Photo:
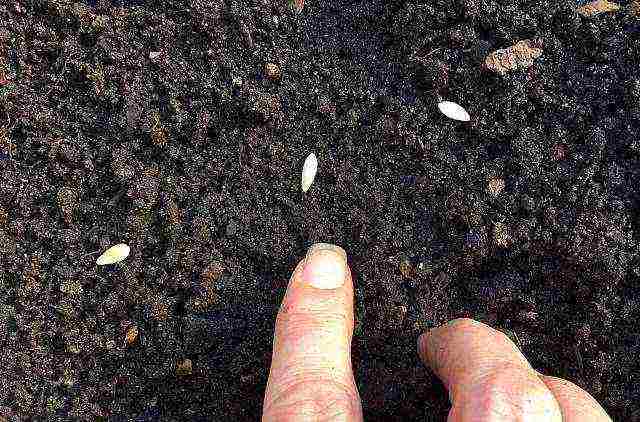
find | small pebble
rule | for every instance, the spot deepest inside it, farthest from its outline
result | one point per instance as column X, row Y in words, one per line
column 495, row 186
column 559, row 152
column 184, row 368
column 309, row 171
column 405, row 267
column 501, row 235
column 132, row 334
column 114, row 254
column 453, row 111
column 272, row 71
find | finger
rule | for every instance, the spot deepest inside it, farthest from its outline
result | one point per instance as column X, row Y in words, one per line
column 487, row 377
column 576, row 404
column 311, row 377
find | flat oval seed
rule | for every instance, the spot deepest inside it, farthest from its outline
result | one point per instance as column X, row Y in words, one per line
column 309, row 171
column 453, row 111
column 114, row 254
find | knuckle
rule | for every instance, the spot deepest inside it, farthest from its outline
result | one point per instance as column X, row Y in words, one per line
column 314, row 398
column 305, row 319
column 514, row 390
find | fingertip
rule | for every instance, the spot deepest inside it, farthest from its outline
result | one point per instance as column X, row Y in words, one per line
column 435, row 344
column 325, row 266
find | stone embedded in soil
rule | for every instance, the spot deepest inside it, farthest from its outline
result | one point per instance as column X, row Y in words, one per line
column 559, row 152
column 184, row 368
column 597, row 7
column 132, row 334
column 519, row 56
column 272, row 71
column 495, row 186
column 405, row 267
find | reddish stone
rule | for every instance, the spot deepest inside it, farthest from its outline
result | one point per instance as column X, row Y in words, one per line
column 559, row 152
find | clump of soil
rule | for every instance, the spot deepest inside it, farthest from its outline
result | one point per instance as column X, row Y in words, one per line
column 179, row 127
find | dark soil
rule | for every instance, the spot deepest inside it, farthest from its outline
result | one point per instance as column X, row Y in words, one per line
column 193, row 158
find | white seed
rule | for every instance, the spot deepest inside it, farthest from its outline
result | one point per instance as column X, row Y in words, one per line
column 154, row 54
column 453, row 111
column 309, row 171
column 114, row 254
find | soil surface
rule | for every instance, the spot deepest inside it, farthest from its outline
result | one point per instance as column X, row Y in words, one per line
column 165, row 125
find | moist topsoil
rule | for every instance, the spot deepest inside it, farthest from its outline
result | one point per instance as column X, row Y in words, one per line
column 159, row 124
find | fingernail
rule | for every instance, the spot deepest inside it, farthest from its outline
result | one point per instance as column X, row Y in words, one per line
column 325, row 266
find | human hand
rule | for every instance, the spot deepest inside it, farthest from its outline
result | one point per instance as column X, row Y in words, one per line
column 488, row 378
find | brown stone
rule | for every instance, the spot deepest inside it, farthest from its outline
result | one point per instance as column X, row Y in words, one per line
column 184, row 368
column 132, row 334
column 272, row 71
column 495, row 186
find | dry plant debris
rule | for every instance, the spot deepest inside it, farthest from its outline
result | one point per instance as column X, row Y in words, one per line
column 519, row 56
column 597, row 7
